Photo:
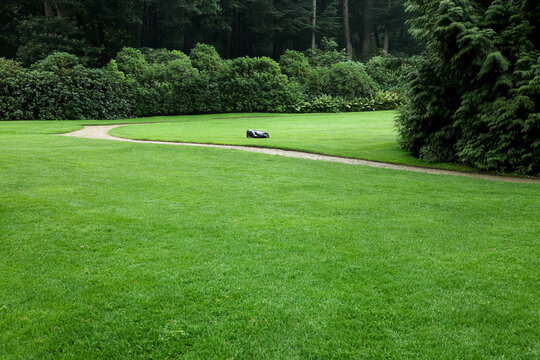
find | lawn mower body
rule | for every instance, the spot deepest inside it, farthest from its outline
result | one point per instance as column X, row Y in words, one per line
column 257, row 134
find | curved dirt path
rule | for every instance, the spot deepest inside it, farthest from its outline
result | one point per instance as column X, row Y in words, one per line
column 102, row 132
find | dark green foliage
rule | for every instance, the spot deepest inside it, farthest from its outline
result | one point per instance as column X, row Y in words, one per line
column 41, row 36
column 13, row 78
column 295, row 65
column 132, row 62
column 205, row 58
column 350, row 80
column 346, row 79
column 161, row 56
column 58, row 88
column 234, row 27
column 57, row 62
column 387, row 71
column 162, row 82
column 473, row 96
column 256, row 84
column 327, row 54
column 383, row 100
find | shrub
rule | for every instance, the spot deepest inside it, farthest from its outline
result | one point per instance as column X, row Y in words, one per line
column 183, row 78
column 57, row 88
column 161, row 82
column 386, row 70
column 295, row 65
column 349, row 79
column 327, row 54
column 205, row 58
column 161, row 56
column 317, row 81
column 326, row 103
column 131, row 62
column 346, row 79
column 256, row 84
column 13, row 80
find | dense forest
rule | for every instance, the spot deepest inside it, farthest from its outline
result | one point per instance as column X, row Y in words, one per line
column 98, row 29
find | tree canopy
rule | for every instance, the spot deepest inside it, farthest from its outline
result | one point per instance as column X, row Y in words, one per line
column 98, row 29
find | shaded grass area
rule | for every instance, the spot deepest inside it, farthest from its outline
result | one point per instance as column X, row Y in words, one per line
column 366, row 135
column 120, row 250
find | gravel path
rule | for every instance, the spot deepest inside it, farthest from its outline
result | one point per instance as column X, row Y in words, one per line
column 102, row 132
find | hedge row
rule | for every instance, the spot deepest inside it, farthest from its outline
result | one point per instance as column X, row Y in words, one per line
column 151, row 82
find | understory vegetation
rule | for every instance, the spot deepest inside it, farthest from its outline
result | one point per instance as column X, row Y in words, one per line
column 162, row 82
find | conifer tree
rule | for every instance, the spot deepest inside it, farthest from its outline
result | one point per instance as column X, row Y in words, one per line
column 474, row 93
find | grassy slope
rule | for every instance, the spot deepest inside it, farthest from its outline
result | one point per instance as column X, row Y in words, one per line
column 367, row 135
column 119, row 250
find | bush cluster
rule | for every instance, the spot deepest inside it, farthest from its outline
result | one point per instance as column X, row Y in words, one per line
column 58, row 87
column 383, row 100
column 147, row 82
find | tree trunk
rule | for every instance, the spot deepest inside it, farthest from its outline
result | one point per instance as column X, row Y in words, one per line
column 48, row 8
column 386, row 38
column 346, row 28
column 387, row 32
column 314, row 23
column 366, row 26
column 62, row 12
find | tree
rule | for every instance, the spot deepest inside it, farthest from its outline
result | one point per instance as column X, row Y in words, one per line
column 387, row 32
column 366, row 26
column 42, row 36
column 314, row 24
column 347, row 29
column 473, row 94
column 234, row 27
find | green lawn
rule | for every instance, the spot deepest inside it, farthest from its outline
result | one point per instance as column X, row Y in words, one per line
column 367, row 135
column 142, row 251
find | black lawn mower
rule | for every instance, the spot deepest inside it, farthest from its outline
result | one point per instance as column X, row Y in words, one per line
column 257, row 134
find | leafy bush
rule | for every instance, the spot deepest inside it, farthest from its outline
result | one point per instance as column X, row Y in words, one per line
column 387, row 71
column 350, row 80
column 346, row 79
column 58, row 88
column 150, row 82
column 13, row 80
column 161, row 56
column 205, row 58
column 327, row 54
column 326, row 103
column 131, row 62
column 160, row 81
column 256, row 84
column 295, row 65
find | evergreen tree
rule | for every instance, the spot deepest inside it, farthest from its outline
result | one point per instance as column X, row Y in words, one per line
column 474, row 94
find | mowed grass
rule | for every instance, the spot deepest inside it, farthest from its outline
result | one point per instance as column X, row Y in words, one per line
column 366, row 135
column 138, row 251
